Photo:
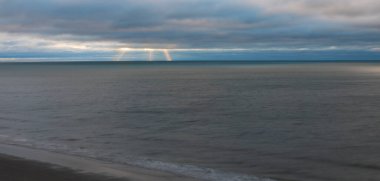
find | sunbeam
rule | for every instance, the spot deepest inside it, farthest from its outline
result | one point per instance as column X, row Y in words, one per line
column 150, row 53
column 167, row 55
column 121, row 54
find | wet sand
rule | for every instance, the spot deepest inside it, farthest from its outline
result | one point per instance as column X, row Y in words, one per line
column 26, row 164
column 17, row 169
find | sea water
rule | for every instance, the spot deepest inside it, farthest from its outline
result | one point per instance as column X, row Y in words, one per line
column 210, row 120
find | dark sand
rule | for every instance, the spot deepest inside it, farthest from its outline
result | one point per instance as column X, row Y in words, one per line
column 17, row 169
column 27, row 164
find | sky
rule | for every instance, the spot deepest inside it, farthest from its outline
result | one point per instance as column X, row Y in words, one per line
column 122, row 30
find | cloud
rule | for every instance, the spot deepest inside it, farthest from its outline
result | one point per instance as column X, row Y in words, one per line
column 98, row 25
column 12, row 43
column 353, row 12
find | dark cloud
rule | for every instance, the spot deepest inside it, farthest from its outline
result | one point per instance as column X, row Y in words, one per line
column 183, row 23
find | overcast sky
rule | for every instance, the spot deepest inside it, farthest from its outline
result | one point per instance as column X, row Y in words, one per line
column 190, row 29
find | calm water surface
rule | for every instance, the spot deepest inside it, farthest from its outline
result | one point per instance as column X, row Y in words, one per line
column 216, row 121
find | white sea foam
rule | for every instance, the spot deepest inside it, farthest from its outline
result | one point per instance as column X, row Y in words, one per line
column 197, row 172
column 181, row 169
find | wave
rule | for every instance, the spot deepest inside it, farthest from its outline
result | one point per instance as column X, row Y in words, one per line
column 180, row 169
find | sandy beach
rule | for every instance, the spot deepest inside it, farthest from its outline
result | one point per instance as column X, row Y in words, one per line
column 26, row 164
column 17, row 169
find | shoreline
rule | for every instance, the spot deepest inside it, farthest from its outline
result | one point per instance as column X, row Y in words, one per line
column 18, row 169
column 19, row 163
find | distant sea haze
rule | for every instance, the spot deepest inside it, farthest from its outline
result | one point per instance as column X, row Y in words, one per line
column 215, row 121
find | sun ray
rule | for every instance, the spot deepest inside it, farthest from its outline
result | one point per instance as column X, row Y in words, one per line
column 121, row 54
column 150, row 53
column 167, row 55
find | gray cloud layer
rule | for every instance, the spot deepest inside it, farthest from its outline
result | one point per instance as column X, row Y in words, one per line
column 198, row 23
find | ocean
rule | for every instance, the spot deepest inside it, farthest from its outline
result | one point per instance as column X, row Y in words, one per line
column 216, row 121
